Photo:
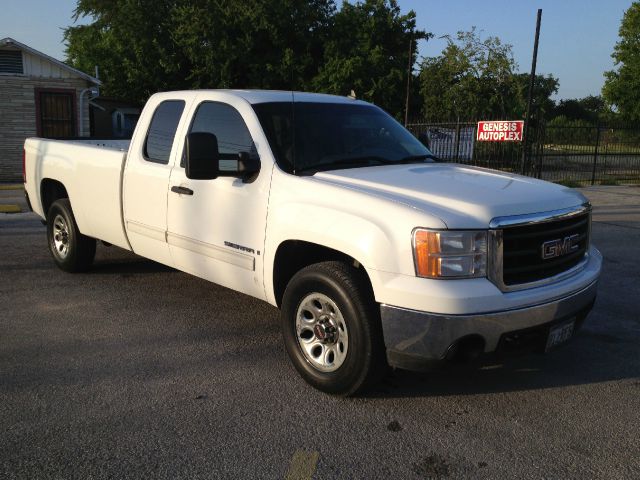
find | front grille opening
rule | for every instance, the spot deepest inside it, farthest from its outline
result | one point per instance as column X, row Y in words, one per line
column 522, row 249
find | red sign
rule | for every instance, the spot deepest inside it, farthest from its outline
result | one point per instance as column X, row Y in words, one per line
column 500, row 131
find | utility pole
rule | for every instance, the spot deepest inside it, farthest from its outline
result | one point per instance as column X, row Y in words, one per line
column 525, row 147
column 409, row 74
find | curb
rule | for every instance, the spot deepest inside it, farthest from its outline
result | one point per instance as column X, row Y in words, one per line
column 11, row 186
column 10, row 209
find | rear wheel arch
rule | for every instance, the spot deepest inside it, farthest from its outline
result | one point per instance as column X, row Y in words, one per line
column 50, row 191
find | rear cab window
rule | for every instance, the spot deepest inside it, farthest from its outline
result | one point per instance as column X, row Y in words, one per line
column 162, row 131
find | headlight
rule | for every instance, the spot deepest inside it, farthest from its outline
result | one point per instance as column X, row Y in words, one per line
column 450, row 253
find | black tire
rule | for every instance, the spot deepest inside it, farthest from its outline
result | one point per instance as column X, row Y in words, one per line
column 363, row 363
column 71, row 250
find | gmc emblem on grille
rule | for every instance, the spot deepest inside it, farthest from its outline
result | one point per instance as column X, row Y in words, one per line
column 560, row 246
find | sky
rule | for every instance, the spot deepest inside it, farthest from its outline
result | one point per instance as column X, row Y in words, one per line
column 576, row 39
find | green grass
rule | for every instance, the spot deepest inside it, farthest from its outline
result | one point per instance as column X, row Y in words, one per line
column 609, row 181
column 590, row 148
column 570, row 183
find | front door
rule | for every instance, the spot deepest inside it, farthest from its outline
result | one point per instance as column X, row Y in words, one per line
column 217, row 231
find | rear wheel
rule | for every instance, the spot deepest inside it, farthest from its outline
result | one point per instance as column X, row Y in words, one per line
column 71, row 250
column 331, row 328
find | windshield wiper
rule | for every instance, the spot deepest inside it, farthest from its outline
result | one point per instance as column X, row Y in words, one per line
column 417, row 158
column 343, row 162
column 366, row 159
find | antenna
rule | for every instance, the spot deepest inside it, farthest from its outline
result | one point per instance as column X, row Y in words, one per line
column 293, row 131
column 293, row 122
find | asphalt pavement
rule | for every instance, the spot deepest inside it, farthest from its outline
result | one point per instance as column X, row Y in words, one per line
column 135, row 370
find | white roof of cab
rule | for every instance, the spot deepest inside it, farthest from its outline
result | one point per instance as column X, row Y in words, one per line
column 266, row 96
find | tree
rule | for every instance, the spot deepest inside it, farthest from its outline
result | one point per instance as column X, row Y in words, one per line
column 253, row 43
column 622, row 86
column 368, row 52
column 145, row 46
column 476, row 78
column 131, row 43
column 471, row 78
column 544, row 87
column 589, row 108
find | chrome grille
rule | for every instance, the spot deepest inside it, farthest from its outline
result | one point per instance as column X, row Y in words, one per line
column 517, row 245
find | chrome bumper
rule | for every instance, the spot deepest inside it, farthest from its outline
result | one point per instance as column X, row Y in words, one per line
column 415, row 339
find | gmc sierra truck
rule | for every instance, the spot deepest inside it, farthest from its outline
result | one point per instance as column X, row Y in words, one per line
column 375, row 253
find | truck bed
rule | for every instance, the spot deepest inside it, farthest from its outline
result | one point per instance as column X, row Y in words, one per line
column 91, row 172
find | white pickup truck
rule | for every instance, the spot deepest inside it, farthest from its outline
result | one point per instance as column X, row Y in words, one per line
column 329, row 209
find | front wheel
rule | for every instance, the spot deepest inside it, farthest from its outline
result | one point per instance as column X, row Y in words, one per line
column 331, row 328
column 71, row 250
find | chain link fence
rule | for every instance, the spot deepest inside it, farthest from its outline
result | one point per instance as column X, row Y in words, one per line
column 571, row 155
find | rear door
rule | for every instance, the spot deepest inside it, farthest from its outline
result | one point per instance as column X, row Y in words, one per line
column 147, row 177
column 217, row 231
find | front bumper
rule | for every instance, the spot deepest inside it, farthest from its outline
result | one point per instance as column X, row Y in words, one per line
column 415, row 339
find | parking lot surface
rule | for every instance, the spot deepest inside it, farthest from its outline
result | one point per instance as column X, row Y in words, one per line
column 135, row 370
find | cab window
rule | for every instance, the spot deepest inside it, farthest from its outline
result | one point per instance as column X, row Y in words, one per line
column 226, row 123
column 162, row 131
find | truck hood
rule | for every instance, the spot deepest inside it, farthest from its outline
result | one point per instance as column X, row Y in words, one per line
column 461, row 196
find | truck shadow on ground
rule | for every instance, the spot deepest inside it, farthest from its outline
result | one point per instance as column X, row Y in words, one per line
column 135, row 266
column 591, row 358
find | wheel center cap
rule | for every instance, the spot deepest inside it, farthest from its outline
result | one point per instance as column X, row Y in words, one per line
column 325, row 331
column 320, row 332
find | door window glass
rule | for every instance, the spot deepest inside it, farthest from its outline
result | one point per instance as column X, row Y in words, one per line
column 162, row 131
column 226, row 123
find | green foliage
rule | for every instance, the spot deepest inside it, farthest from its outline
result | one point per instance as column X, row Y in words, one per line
column 622, row 86
column 476, row 78
column 145, row 46
column 590, row 108
column 544, row 86
column 131, row 42
column 368, row 51
column 471, row 78
column 564, row 131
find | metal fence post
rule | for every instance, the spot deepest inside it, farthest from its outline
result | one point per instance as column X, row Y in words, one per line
column 539, row 148
column 458, row 140
column 595, row 155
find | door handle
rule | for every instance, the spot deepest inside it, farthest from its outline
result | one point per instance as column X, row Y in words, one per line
column 181, row 190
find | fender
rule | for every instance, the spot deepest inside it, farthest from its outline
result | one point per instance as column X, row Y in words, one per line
column 343, row 219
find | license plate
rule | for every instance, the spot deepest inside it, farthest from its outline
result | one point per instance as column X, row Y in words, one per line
column 560, row 334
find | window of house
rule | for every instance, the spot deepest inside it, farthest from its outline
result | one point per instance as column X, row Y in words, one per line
column 162, row 131
column 11, row 61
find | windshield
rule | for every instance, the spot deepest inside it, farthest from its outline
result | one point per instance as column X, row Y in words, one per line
column 329, row 136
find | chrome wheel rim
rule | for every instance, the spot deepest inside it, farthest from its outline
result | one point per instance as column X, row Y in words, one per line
column 322, row 332
column 60, row 236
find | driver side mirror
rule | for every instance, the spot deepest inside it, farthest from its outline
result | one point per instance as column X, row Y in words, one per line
column 205, row 162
